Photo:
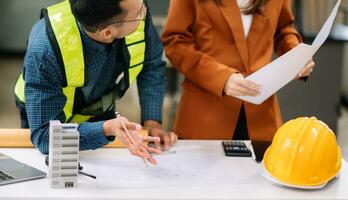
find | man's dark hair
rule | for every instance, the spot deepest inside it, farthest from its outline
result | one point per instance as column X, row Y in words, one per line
column 94, row 14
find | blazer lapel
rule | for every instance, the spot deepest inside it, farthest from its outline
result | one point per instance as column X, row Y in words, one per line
column 256, row 31
column 231, row 12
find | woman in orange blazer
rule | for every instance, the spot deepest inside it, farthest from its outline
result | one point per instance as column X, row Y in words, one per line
column 215, row 44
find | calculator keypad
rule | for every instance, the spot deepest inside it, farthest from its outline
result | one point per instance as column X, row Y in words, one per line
column 235, row 148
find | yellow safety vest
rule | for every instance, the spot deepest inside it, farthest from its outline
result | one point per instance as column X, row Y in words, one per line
column 60, row 21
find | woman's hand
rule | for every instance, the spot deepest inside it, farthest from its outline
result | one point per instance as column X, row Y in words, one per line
column 306, row 70
column 237, row 85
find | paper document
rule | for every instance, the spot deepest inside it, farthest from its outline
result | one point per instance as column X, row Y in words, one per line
column 283, row 70
column 186, row 168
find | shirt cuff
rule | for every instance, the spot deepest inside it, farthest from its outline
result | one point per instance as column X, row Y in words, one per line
column 151, row 112
column 92, row 135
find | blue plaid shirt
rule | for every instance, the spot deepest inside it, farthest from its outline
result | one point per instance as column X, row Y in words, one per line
column 43, row 89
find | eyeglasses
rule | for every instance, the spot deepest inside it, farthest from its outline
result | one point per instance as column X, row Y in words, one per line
column 141, row 16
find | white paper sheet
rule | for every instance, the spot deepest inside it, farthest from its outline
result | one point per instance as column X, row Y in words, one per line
column 184, row 169
column 283, row 70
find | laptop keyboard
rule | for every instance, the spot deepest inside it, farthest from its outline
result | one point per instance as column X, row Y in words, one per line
column 5, row 177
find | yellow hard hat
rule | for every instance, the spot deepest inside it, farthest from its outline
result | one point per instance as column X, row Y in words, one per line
column 304, row 153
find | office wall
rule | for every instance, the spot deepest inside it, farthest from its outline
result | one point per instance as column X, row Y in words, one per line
column 315, row 12
column 16, row 20
column 18, row 16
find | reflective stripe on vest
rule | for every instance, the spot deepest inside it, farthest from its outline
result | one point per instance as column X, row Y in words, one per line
column 136, row 47
column 69, row 41
column 70, row 44
column 68, row 38
column 19, row 88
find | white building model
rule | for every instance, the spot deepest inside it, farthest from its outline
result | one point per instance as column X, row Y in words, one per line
column 63, row 154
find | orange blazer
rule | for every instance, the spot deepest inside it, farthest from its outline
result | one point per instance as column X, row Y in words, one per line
column 206, row 43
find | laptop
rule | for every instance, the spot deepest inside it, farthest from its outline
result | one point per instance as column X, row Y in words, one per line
column 12, row 171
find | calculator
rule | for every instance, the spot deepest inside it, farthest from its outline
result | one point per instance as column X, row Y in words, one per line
column 236, row 149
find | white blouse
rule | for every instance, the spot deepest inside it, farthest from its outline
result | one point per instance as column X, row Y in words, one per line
column 246, row 19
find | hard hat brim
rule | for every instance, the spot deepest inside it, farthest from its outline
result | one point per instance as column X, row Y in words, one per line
column 269, row 177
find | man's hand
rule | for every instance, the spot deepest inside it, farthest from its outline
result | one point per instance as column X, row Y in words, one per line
column 114, row 127
column 155, row 130
column 237, row 85
column 306, row 70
